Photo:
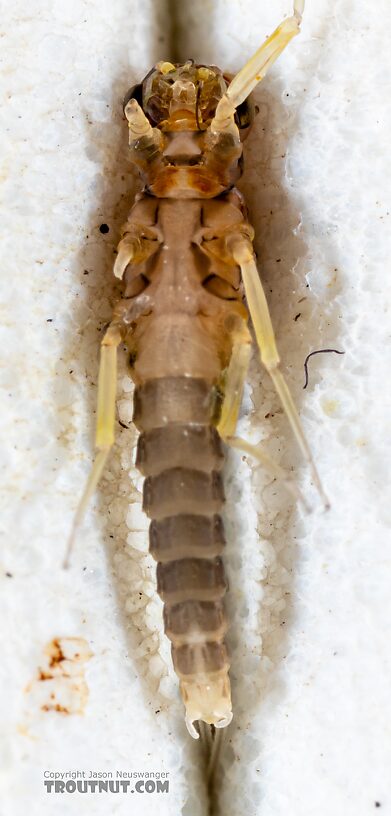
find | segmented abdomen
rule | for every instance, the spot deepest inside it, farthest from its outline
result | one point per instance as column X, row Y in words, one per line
column 180, row 453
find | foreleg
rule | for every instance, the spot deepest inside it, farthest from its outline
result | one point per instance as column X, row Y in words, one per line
column 145, row 142
column 255, row 70
column 223, row 143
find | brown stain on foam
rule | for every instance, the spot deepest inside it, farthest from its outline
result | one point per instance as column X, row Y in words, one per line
column 60, row 685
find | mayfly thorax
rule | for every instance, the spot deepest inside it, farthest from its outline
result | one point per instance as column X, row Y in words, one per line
column 187, row 263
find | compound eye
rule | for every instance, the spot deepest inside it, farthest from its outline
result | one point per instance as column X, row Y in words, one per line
column 245, row 114
column 136, row 92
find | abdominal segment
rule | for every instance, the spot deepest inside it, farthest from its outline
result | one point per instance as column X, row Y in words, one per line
column 180, row 454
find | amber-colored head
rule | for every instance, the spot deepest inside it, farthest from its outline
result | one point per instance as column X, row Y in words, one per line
column 185, row 97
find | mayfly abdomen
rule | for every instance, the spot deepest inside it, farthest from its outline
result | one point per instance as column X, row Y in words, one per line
column 180, row 454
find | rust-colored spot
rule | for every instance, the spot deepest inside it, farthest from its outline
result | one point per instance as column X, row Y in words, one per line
column 56, row 707
column 60, row 685
column 55, row 653
column 44, row 675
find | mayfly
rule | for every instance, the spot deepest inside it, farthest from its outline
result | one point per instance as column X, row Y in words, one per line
column 187, row 264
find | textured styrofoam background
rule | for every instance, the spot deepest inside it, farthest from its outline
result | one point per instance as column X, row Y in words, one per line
column 309, row 597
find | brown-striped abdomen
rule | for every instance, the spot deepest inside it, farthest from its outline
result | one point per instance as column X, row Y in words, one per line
column 179, row 452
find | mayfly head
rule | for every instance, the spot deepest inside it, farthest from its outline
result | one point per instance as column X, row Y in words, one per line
column 185, row 97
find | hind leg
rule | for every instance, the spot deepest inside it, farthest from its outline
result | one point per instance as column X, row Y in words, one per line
column 235, row 378
column 104, row 437
column 233, row 391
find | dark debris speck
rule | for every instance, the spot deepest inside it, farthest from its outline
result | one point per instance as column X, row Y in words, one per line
column 104, row 228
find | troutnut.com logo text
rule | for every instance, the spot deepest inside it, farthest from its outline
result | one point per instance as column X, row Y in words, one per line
column 106, row 782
